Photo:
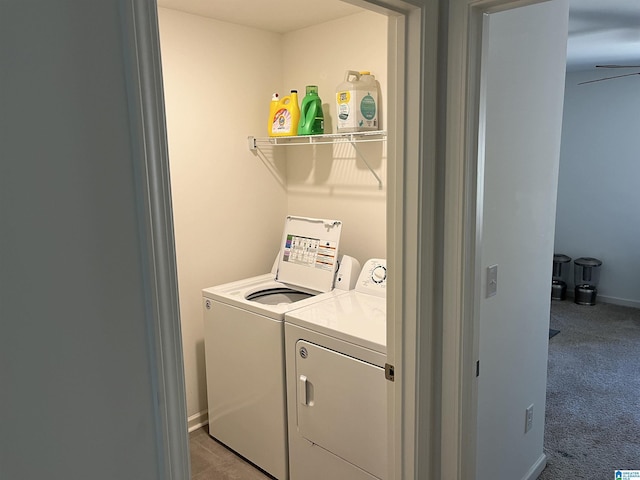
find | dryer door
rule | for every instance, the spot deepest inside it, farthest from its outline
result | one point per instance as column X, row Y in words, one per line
column 341, row 406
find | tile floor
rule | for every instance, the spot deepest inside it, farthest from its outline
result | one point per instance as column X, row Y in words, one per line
column 210, row 460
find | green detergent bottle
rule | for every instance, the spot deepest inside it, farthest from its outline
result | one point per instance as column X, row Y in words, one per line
column 311, row 116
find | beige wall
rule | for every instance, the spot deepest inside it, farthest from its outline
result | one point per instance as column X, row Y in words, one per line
column 228, row 210
column 332, row 182
column 228, row 207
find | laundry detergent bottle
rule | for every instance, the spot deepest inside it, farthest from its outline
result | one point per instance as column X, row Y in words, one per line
column 311, row 116
column 273, row 108
column 357, row 102
column 284, row 116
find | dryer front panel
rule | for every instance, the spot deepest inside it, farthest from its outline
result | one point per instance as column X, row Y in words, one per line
column 341, row 406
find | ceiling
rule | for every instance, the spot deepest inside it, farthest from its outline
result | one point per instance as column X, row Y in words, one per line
column 279, row 16
column 603, row 32
column 600, row 31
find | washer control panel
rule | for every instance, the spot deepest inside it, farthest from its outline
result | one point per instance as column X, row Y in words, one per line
column 373, row 278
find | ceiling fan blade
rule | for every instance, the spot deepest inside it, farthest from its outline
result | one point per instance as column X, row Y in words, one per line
column 617, row 66
column 609, row 78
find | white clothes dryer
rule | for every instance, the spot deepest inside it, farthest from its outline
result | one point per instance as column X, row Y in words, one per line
column 244, row 339
column 336, row 386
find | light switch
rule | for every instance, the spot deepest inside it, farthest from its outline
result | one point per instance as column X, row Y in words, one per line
column 492, row 280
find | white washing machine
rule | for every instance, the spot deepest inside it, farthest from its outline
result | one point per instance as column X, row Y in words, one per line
column 244, row 339
column 336, row 386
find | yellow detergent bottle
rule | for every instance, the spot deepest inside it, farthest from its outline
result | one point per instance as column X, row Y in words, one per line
column 273, row 108
column 284, row 116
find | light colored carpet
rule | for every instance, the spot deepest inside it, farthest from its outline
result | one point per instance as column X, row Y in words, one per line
column 593, row 392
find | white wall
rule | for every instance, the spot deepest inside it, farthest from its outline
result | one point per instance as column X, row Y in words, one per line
column 77, row 398
column 598, row 194
column 229, row 209
column 332, row 182
column 524, row 89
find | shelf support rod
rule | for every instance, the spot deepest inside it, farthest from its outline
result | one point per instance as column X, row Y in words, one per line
column 257, row 151
column 353, row 144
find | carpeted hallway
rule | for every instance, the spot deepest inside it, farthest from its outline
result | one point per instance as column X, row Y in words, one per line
column 593, row 392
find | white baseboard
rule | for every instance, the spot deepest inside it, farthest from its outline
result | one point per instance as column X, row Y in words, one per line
column 198, row 420
column 618, row 301
column 535, row 471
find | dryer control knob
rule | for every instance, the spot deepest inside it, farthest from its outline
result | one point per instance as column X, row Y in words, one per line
column 379, row 274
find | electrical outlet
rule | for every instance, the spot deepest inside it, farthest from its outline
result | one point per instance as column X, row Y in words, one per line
column 528, row 419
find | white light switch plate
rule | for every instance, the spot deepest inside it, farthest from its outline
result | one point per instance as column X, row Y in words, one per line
column 492, row 280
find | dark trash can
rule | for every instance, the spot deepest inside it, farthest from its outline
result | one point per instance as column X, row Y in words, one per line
column 586, row 272
column 561, row 264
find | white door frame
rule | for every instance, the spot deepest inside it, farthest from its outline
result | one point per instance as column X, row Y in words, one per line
column 411, row 231
column 153, row 190
column 464, row 179
column 411, row 220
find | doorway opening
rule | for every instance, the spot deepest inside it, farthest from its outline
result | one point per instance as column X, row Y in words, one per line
column 217, row 180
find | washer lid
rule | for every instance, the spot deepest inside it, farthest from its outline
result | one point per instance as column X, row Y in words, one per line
column 309, row 253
